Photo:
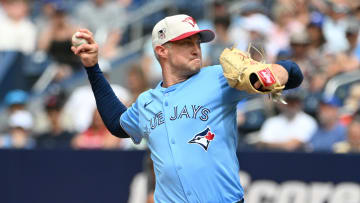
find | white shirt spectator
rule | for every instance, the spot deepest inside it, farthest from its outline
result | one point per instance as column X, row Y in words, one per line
column 334, row 32
column 81, row 105
column 17, row 36
column 101, row 19
column 281, row 129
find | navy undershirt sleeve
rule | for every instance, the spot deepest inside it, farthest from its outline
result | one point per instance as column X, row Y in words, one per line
column 295, row 75
column 108, row 105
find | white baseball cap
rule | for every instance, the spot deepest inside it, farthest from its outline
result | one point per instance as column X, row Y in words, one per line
column 178, row 27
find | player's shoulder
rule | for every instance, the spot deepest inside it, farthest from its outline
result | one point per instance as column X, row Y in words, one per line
column 147, row 96
column 144, row 95
column 213, row 68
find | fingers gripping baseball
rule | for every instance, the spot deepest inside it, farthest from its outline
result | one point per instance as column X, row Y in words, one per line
column 88, row 52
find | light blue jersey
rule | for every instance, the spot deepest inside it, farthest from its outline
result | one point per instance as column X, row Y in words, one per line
column 192, row 134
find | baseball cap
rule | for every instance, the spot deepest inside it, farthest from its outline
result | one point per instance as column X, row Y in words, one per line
column 316, row 19
column 177, row 27
column 16, row 97
column 330, row 101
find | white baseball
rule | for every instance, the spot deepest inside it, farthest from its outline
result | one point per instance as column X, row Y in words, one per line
column 76, row 41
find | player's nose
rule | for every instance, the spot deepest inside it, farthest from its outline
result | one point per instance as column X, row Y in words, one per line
column 196, row 49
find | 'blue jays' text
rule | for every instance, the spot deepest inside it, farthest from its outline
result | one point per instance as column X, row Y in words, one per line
column 181, row 112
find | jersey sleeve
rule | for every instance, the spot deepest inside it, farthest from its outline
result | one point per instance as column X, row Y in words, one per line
column 129, row 121
column 230, row 94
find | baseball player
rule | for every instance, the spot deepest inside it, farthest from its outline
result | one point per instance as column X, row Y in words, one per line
column 189, row 118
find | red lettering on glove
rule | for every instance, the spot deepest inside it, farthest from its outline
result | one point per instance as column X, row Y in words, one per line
column 267, row 77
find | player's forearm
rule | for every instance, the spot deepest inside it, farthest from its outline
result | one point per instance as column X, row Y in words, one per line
column 295, row 75
column 109, row 106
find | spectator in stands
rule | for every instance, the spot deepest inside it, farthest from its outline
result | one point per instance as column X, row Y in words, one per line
column 136, row 81
column 314, row 92
column 352, row 101
column 319, row 61
column 330, row 131
column 56, row 137
column 334, row 28
column 256, row 25
column 19, row 132
column 94, row 137
column 15, row 100
column 289, row 130
column 317, row 52
column 346, row 61
column 352, row 144
column 352, row 35
column 98, row 137
column 354, row 136
column 107, row 20
column 218, row 9
column 17, row 32
column 356, row 12
column 299, row 47
column 222, row 39
column 288, row 19
column 47, row 9
column 55, row 38
column 79, row 107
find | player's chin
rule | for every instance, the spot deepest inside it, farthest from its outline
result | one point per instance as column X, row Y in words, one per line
column 196, row 64
column 195, row 68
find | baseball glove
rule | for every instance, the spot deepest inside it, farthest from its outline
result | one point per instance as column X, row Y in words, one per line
column 242, row 72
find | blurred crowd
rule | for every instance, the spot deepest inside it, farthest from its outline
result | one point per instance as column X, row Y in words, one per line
column 322, row 36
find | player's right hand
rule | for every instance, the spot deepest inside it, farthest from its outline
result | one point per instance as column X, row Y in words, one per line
column 87, row 52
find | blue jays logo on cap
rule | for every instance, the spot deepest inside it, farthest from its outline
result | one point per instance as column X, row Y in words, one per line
column 190, row 20
column 203, row 138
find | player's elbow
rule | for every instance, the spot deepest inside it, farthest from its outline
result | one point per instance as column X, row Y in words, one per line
column 116, row 130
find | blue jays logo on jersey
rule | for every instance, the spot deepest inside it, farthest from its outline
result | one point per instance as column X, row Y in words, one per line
column 203, row 138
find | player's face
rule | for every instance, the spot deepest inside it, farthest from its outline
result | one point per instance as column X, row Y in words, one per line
column 185, row 54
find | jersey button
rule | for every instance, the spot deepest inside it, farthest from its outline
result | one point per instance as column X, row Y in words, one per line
column 179, row 168
column 188, row 193
column 166, row 103
column 166, row 94
column 172, row 141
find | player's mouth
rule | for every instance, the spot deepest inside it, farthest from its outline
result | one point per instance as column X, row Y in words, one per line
column 197, row 60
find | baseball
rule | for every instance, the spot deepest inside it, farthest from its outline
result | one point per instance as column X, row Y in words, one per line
column 76, row 41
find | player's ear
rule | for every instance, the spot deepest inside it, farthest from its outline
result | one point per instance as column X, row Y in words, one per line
column 161, row 51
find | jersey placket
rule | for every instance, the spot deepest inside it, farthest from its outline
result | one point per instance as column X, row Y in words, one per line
column 172, row 143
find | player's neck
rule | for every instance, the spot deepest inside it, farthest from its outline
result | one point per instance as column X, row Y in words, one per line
column 174, row 77
column 171, row 80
